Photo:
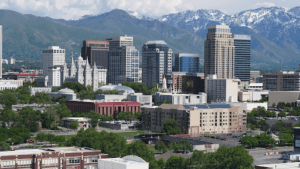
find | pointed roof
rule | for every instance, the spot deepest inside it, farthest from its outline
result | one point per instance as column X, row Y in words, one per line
column 73, row 63
column 87, row 65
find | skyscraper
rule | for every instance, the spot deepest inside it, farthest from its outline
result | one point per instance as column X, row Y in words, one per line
column 96, row 52
column 123, row 60
column 242, row 45
column 53, row 56
column 123, row 64
column 186, row 62
column 156, row 61
column 120, row 41
column 219, row 52
column 1, row 36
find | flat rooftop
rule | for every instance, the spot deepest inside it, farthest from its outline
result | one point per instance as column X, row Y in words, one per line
column 281, row 165
column 39, row 151
column 130, row 159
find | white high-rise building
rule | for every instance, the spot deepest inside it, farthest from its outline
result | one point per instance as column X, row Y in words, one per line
column 221, row 90
column 1, row 36
column 53, row 56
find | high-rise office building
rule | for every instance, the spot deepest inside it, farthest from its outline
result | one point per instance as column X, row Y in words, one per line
column 123, row 65
column 242, row 45
column 186, row 62
column 120, row 41
column 96, row 52
column 123, row 60
column 1, row 36
column 219, row 52
column 156, row 61
column 53, row 56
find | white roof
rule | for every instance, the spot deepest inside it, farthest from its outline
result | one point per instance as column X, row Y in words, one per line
column 21, row 152
column 281, row 165
column 65, row 91
column 161, row 42
column 130, row 159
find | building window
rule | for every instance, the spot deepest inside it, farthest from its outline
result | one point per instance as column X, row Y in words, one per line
column 73, row 160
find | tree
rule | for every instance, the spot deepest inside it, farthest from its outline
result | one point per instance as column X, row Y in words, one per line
column 62, row 110
column 40, row 98
column 274, row 105
column 160, row 146
column 161, row 163
column 282, row 113
column 170, row 127
column 249, row 141
column 175, row 162
column 29, row 118
column 265, row 140
column 232, row 157
column 285, row 138
column 4, row 146
column 124, row 115
column 8, row 95
column 74, row 124
column 17, row 139
column 41, row 137
column 48, row 117
column 138, row 115
column 94, row 117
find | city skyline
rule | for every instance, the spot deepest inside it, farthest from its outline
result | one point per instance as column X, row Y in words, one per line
column 76, row 9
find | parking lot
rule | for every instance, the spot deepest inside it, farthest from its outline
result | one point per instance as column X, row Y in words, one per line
column 230, row 140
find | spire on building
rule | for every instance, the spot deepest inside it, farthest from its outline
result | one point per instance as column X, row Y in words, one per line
column 87, row 65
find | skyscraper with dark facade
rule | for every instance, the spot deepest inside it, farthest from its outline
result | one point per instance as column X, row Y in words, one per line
column 96, row 52
column 242, row 45
column 156, row 61
column 123, row 60
column 186, row 62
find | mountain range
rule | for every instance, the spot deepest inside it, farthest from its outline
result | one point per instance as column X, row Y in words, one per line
column 275, row 32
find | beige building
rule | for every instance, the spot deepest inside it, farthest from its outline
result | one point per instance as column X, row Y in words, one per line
column 292, row 97
column 219, row 52
column 221, row 90
column 197, row 119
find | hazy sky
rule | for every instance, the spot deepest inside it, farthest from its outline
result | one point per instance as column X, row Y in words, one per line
column 73, row 9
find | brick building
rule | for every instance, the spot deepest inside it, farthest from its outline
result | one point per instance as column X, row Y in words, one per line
column 104, row 108
column 61, row 158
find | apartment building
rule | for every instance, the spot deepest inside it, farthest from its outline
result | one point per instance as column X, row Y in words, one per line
column 197, row 119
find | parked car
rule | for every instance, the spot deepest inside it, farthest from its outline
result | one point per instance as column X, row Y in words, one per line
column 234, row 136
column 230, row 134
column 269, row 147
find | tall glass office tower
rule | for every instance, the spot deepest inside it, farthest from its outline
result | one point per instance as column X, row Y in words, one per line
column 186, row 62
column 242, row 45
column 156, row 61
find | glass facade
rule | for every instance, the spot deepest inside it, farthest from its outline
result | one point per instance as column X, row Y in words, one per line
column 242, row 45
column 185, row 62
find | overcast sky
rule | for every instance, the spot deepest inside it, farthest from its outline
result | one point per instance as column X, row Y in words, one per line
column 73, row 9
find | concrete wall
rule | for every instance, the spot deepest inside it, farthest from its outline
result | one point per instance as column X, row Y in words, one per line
column 283, row 96
column 248, row 106
column 206, row 147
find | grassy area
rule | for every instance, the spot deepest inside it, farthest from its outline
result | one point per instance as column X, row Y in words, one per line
column 151, row 148
column 68, row 137
column 130, row 135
